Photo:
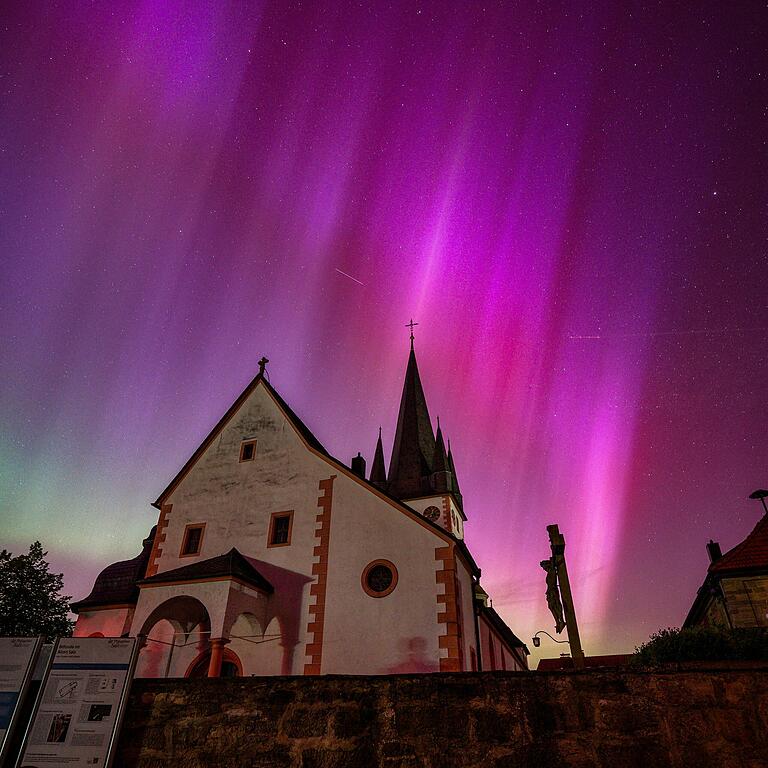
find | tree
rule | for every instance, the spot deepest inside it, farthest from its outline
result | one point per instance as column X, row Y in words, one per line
column 704, row 644
column 30, row 599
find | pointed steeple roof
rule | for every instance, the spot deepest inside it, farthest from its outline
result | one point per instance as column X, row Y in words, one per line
column 378, row 471
column 439, row 459
column 414, row 446
column 452, row 468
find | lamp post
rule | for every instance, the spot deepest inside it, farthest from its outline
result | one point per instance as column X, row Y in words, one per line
column 537, row 640
column 761, row 494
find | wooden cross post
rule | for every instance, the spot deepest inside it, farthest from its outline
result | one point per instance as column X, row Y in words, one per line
column 557, row 542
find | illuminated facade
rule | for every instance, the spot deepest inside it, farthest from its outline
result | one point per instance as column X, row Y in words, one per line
column 272, row 557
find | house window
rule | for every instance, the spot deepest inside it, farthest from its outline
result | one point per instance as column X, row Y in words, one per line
column 247, row 450
column 379, row 578
column 280, row 527
column 192, row 541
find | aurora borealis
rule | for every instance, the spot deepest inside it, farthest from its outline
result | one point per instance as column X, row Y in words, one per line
column 569, row 198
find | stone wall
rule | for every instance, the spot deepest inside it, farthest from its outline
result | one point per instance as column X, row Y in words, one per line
column 610, row 719
column 747, row 600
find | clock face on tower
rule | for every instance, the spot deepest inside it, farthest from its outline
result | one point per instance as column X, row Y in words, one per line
column 432, row 513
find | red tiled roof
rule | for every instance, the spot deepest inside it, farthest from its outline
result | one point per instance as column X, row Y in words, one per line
column 566, row 662
column 751, row 554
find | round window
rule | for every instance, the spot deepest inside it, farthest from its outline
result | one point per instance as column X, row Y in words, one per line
column 379, row 578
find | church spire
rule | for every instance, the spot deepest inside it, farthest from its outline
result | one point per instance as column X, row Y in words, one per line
column 410, row 467
column 439, row 459
column 378, row 471
column 452, row 468
column 441, row 477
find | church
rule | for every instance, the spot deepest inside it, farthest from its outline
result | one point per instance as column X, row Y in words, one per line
column 272, row 557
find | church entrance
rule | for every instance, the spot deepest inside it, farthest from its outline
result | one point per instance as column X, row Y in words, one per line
column 230, row 665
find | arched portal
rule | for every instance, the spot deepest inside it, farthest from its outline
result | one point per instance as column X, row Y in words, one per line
column 231, row 666
column 176, row 632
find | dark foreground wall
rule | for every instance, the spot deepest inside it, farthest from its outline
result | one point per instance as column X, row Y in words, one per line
column 607, row 719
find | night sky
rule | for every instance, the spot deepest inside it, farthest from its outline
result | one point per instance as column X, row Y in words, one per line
column 570, row 199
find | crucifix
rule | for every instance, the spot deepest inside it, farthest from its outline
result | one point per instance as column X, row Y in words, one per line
column 411, row 326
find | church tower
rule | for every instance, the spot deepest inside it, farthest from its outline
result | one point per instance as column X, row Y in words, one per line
column 421, row 473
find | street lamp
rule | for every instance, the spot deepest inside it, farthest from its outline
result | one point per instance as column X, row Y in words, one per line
column 760, row 494
column 537, row 640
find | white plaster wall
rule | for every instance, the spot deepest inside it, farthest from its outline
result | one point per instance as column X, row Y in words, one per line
column 236, row 500
column 259, row 651
column 396, row 633
column 111, row 622
column 510, row 662
column 457, row 522
column 213, row 595
column 467, row 608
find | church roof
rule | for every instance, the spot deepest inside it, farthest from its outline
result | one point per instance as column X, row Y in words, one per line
column 414, row 446
column 231, row 565
column 748, row 557
column 116, row 584
column 751, row 554
column 501, row 627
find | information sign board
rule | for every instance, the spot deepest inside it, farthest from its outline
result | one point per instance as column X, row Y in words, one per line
column 17, row 660
column 79, row 709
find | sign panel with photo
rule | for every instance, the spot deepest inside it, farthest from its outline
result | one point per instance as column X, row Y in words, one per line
column 17, row 660
column 78, row 711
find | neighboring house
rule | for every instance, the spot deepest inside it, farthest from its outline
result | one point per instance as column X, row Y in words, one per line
column 271, row 556
column 735, row 590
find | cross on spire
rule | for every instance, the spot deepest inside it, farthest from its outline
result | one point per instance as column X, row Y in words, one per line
column 411, row 326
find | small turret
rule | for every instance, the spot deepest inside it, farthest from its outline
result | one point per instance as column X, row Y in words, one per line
column 378, row 471
column 441, row 479
column 456, row 490
column 358, row 465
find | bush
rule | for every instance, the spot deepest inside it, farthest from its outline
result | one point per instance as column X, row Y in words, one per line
column 704, row 644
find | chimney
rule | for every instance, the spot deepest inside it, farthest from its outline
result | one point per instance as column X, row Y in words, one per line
column 714, row 552
column 358, row 465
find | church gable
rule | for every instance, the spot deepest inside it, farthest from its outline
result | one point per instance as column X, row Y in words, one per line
column 258, row 408
column 252, row 481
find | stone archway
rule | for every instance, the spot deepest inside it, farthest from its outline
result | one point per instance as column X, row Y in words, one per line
column 259, row 646
column 175, row 633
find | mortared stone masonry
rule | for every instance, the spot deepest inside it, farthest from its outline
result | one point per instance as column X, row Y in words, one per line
column 594, row 718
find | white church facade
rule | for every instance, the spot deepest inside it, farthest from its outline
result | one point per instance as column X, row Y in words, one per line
column 272, row 557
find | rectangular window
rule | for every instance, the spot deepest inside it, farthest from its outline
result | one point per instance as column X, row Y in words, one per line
column 247, row 450
column 280, row 527
column 192, row 541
